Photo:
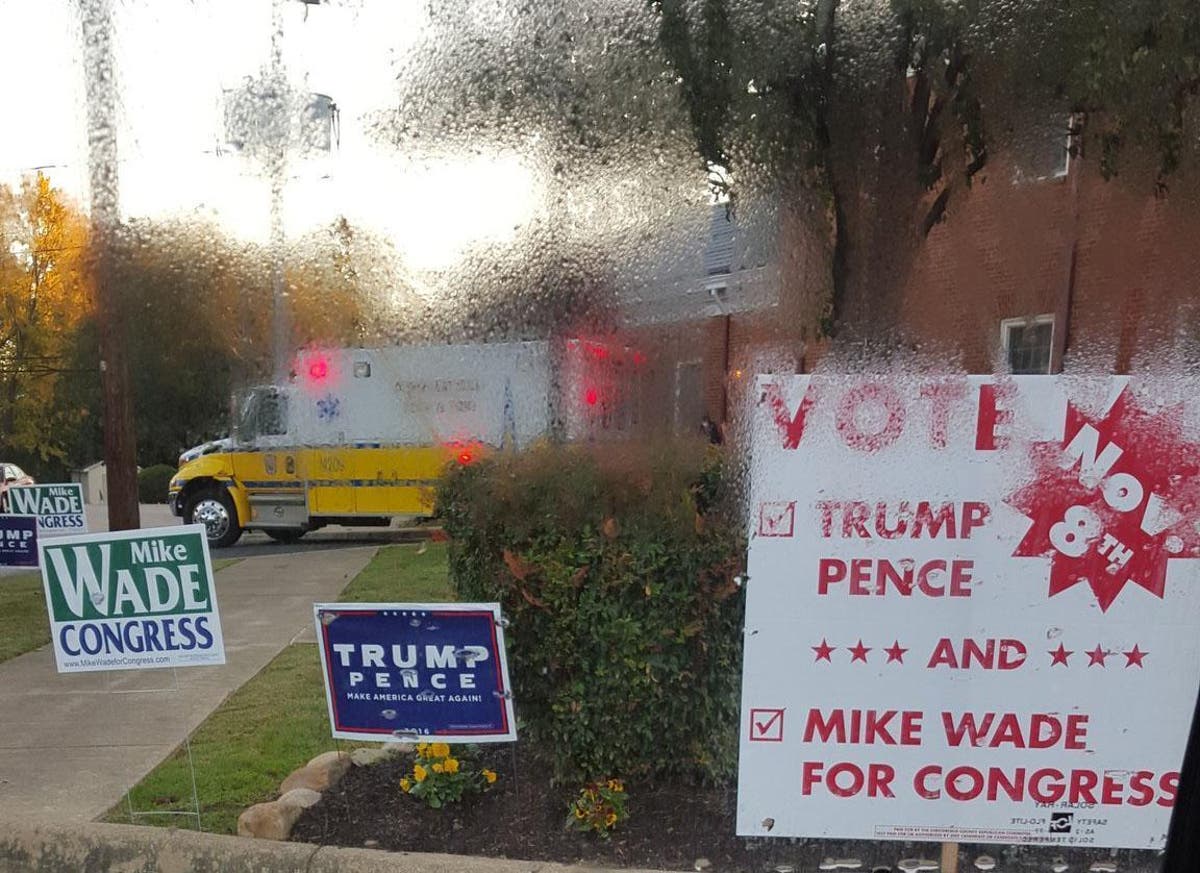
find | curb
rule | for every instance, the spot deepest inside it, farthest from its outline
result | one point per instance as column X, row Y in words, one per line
column 40, row 847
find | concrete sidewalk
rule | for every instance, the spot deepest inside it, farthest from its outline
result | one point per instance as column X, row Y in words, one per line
column 72, row 745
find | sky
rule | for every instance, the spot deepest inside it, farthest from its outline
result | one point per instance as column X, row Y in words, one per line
column 174, row 58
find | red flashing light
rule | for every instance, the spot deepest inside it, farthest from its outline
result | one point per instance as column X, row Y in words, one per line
column 464, row 458
column 318, row 369
column 591, row 397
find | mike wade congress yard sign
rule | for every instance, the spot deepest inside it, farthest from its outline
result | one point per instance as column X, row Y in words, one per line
column 411, row 670
column 132, row 600
column 59, row 508
column 973, row 610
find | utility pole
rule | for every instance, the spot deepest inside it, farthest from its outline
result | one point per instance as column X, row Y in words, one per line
column 120, row 440
column 277, row 142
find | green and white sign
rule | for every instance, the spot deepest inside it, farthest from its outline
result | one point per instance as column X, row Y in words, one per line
column 58, row 507
column 132, row 600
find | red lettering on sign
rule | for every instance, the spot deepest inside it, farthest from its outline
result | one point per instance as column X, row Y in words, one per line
column 949, row 519
column 864, row 727
column 991, row 424
column 845, row 779
column 994, row 730
column 876, row 394
column 791, row 427
column 876, row 576
column 1005, row 654
column 941, row 397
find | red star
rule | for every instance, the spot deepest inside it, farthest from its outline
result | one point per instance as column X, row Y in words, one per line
column 1097, row 656
column 895, row 653
column 859, row 652
column 823, row 651
column 1060, row 655
column 1134, row 656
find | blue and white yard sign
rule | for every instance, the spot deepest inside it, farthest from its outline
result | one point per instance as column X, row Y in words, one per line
column 415, row 671
column 18, row 541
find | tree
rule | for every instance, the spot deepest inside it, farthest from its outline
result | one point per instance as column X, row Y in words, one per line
column 894, row 107
column 344, row 285
column 43, row 296
column 193, row 304
column 878, row 114
column 198, row 306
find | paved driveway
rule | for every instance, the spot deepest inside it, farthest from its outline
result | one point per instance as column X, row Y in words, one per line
column 71, row 745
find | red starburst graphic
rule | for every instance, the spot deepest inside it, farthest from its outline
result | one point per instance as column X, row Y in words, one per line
column 1113, row 501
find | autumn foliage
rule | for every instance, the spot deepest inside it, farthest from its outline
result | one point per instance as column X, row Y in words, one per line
column 44, row 296
column 195, row 311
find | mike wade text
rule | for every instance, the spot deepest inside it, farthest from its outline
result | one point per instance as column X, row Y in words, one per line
column 952, row 730
column 150, row 595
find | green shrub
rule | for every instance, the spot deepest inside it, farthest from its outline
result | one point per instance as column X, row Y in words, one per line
column 153, row 482
column 625, row 636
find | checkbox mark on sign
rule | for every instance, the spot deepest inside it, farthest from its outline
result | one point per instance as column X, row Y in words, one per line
column 766, row 725
column 777, row 519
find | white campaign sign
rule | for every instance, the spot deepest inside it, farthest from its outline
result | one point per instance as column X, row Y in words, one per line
column 973, row 610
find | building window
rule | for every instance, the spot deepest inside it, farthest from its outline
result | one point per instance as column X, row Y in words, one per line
column 1043, row 150
column 1027, row 343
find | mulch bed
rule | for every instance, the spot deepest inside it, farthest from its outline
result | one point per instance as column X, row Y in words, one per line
column 670, row 827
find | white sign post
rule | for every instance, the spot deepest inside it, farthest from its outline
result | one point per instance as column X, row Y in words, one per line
column 973, row 610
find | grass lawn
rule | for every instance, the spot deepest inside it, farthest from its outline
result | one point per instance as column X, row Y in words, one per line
column 277, row 721
column 24, row 625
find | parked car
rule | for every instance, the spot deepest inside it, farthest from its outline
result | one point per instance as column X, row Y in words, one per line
column 11, row 474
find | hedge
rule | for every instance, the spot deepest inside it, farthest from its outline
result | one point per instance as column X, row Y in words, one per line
column 153, row 483
column 618, row 572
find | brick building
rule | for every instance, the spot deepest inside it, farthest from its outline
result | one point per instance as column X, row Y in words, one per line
column 1034, row 270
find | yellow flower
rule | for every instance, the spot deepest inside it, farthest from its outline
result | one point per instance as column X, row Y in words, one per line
column 405, row 784
column 579, row 813
column 419, row 773
column 616, row 785
column 439, row 750
column 422, row 748
column 610, row 819
column 450, row 765
column 489, row 776
column 437, row 768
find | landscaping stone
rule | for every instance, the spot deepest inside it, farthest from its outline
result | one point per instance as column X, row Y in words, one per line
column 329, row 759
column 319, row 773
column 268, row 821
column 368, row 756
column 302, row 788
column 301, row 798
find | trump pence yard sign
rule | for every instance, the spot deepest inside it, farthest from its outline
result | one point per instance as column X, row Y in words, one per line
column 412, row 670
column 973, row 610
column 132, row 600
